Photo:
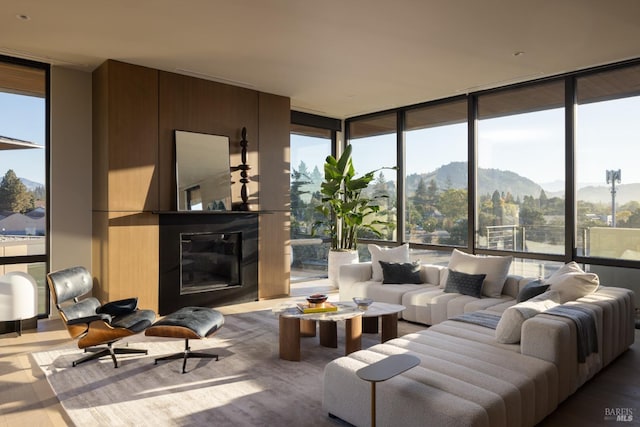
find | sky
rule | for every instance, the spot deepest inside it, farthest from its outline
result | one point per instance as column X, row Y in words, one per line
column 531, row 145
column 23, row 117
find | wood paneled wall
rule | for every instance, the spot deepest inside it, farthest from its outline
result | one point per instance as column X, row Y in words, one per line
column 125, row 183
column 135, row 111
column 196, row 105
column 274, row 159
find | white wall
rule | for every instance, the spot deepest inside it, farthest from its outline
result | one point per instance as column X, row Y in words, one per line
column 70, row 171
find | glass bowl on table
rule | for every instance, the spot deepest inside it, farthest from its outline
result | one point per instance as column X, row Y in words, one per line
column 363, row 303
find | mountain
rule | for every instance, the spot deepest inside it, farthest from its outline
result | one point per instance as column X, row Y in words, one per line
column 454, row 175
column 31, row 185
column 625, row 193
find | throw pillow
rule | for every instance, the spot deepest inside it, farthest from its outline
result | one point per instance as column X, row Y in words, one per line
column 509, row 327
column 400, row 272
column 572, row 282
column 495, row 267
column 532, row 289
column 120, row 307
column 465, row 284
column 397, row 254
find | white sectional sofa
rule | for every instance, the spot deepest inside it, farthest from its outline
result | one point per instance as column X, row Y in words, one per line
column 427, row 302
column 467, row 378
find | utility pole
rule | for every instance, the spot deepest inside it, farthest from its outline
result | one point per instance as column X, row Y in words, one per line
column 613, row 176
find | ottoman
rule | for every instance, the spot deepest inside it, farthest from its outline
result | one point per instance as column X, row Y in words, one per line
column 187, row 323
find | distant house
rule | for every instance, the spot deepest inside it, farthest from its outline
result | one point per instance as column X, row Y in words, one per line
column 22, row 225
column 38, row 212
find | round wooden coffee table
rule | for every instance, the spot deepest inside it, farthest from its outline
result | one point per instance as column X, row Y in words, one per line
column 388, row 313
column 293, row 324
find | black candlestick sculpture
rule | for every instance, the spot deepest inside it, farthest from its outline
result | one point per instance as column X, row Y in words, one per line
column 244, row 174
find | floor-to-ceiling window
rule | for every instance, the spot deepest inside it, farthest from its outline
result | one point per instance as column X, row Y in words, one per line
column 520, row 191
column 312, row 140
column 607, row 172
column 553, row 171
column 23, row 176
column 436, row 183
column 374, row 141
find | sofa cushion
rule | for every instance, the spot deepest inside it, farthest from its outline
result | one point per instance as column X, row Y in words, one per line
column 397, row 254
column 510, row 324
column 495, row 267
column 572, row 282
column 465, row 284
column 400, row 272
column 532, row 289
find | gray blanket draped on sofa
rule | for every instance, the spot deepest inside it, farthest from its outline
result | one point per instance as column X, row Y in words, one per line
column 585, row 327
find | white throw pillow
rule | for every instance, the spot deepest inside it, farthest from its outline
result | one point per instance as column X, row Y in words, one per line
column 509, row 327
column 397, row 254
column 495, row 267
column 572, row 282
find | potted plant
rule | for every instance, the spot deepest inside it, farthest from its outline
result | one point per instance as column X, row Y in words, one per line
column 346, row 210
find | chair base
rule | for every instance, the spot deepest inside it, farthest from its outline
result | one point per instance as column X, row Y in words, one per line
column 186, row 354
column 109, row 350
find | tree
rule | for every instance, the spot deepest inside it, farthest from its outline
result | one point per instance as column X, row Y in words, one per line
column 531, row 216
column 453, row 204
column 543, row 200
column 298, row 206
column 420, row 199
column 432, row 192
column 14, row 196
column 497, row 201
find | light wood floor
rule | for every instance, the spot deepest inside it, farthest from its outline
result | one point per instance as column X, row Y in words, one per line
column 27, row 400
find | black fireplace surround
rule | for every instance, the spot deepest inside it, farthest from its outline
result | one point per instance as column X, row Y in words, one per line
column 207, row 259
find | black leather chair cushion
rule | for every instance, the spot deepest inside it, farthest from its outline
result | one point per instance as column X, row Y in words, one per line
column 203, row 321
column 83, row 310
column 136, row 321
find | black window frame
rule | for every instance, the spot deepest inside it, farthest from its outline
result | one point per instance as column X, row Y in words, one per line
column 570, row 253
column 43, row 258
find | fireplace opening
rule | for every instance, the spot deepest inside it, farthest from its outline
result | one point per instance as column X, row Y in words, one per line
column 210, row 261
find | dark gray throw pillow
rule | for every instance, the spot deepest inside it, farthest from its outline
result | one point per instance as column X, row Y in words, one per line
column 465, row 284
column 532, row 289
column 399, row 273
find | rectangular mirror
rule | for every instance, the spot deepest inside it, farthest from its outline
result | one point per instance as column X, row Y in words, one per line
column 203, row 175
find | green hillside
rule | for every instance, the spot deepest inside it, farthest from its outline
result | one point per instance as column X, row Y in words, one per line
column 454, row 175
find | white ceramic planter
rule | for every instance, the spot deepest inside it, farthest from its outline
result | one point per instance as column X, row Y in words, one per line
column 336, row 259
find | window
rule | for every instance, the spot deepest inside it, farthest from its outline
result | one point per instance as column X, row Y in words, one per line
column 23, row 199
column 436, row 183
column 607, row 173
column 520, row 195
column 374, row 142
column 309, row 147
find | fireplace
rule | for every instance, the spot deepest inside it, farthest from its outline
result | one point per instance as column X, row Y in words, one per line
column 207, row 259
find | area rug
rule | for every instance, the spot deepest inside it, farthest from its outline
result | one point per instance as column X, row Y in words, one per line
column 249, row 386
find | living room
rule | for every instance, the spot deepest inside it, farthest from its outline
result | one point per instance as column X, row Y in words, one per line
column 94, row 211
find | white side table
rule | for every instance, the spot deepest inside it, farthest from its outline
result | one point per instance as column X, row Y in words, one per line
column 382, row 370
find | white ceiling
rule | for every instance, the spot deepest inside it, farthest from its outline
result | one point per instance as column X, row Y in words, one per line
column 337, row 58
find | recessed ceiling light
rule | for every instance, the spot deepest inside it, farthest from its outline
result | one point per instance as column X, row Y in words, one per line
column 518, row 53
column 23, row 17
